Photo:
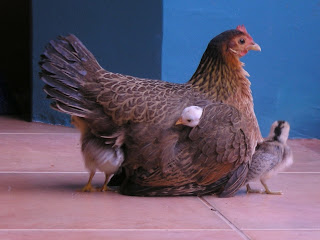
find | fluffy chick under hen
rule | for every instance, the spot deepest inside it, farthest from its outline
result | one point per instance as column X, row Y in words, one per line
column 98, row 154
column 271, row 156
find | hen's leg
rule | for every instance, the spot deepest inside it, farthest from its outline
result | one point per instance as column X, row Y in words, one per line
column 104, row 188
column 268, row 190
column 88, row 187
column 250, row 190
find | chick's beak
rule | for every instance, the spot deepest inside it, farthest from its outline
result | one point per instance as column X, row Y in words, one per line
column 179, row 121
column 254, row 47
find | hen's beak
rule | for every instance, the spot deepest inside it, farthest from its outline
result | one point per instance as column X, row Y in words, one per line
column 254, row 47
column 179, row 121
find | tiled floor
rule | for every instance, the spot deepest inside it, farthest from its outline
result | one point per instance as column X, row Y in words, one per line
column 41, row 170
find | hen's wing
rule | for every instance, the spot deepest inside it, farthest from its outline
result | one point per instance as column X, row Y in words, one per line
column 220, row 140
column 79, row 86
column 200, row 158
column 126, row 98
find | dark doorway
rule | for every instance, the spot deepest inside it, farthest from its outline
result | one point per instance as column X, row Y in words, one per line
column 15, row 61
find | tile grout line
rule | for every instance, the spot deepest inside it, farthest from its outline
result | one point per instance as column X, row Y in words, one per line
column 60, row 172
column 281, row 229
column 28, row 172
column 222, row 217
column 117, row 229
column 298, row 172
column 156, row 229
column 40, row 133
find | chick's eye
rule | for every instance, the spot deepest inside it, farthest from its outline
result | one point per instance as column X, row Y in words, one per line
column 242, row 41
column 188, row 120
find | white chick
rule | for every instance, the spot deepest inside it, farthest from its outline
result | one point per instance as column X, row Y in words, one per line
column 190, row 116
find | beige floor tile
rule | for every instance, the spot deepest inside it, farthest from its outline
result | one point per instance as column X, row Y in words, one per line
column 12, row 125
column 51, row 201
column 120, row 235
column 306, row 154
column 286, row 234
column 311, row 144
column 41, row 205
column 43, row 152
column 297, row 208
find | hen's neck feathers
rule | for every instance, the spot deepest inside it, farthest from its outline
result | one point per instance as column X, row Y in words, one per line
column 221, row 77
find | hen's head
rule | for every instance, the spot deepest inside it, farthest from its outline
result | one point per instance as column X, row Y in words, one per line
column 235, row 43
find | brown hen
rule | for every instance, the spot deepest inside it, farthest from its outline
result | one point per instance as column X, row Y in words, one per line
column 162, row 158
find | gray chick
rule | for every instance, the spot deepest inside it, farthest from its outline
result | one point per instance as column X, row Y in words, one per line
column 97, row 154
column 270, row 157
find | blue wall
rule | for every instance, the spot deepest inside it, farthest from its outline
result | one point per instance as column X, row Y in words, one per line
column 124, row 35
column 285, row 76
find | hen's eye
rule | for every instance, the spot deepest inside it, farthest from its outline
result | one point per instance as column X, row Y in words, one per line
column 242, row 41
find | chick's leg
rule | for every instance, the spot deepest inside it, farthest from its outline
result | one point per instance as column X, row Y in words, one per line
column 88, row 187
column 268, row 190
column 104, row 188
column 250, row 190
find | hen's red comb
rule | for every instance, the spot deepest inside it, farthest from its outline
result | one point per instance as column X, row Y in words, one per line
column 242, row 28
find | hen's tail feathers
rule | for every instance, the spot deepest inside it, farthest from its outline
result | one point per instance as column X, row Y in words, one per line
column 236, row 181
column 66, row 65
column 132, row 189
